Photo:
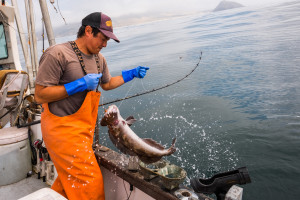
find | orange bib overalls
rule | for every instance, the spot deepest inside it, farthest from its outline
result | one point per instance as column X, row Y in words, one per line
column 69, row 142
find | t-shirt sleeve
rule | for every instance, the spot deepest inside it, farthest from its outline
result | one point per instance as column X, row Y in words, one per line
column 50, row 70
column 105, row 73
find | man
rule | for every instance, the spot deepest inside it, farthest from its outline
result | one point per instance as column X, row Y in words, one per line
column 67, row 77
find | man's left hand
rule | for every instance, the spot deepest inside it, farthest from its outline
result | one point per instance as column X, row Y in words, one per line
column 139, row 72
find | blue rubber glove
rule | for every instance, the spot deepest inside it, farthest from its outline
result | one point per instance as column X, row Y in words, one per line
column 139, row 72
column 88, row 82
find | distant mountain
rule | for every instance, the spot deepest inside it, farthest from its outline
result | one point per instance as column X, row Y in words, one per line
column 225, row 5
column 67, row 30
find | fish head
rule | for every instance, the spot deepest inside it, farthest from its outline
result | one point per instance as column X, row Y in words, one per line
column 111, row 116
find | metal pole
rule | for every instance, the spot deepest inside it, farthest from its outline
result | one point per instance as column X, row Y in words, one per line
column 47, row 22
column 23, row 42
column 30, row 36
column 35, row 55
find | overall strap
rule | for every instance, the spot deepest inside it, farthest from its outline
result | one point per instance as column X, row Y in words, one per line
column 97, row 62
column 79, row 56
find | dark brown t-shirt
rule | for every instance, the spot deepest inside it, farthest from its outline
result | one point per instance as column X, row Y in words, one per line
column 59, row 65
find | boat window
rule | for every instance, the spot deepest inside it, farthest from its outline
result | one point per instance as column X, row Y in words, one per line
column 3, row 46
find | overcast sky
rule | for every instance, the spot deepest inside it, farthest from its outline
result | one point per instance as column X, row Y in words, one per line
column 74, row 10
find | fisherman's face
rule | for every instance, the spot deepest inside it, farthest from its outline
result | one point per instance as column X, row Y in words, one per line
column 96, row 43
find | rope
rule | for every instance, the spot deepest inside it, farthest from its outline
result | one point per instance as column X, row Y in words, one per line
column 61, row 13
column 58, row 11
column 153, row 90
column 7, row 112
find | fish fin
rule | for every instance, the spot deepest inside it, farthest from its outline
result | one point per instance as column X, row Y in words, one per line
column 148, row 160
column 153, row 143
column 130, row 120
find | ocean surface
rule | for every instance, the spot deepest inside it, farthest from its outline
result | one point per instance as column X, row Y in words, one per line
column 240, row 107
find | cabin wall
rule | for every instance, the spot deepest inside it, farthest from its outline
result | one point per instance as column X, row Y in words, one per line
column 7, row 19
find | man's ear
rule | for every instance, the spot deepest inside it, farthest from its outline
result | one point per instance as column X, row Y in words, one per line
column 88, row 31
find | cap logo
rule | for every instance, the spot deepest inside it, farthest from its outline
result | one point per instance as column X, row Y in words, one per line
column 108, row 23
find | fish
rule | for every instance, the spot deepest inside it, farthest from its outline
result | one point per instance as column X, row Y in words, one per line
column 125, row 139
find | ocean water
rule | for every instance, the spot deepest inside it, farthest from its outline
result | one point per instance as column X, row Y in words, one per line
column 240, row 107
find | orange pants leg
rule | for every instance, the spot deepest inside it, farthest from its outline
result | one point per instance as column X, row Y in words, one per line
column 58, row 187
column 79, row 175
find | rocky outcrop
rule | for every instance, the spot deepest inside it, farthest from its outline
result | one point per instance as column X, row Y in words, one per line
column 225, row 5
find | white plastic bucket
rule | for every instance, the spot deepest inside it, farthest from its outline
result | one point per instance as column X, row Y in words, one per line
column 15, row 155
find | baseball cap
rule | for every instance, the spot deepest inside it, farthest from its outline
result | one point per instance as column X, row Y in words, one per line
column 102, row 22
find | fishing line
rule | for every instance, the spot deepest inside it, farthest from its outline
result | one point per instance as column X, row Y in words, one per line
column 143, row 85
column 127, row 92
column 125, row 189
column 102, row 99
column 155, row 89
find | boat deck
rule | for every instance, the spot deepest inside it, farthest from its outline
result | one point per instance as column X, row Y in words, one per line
column 112, row 164
column 22, row 188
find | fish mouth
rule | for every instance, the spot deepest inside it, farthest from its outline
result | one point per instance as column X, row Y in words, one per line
column 111, row 109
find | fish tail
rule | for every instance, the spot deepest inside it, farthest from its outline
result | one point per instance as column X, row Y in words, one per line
column 173, row 142
column 172, row 149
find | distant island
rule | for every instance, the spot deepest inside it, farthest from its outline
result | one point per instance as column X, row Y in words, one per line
column 225, row 5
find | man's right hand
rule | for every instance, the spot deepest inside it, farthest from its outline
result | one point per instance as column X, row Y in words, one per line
column 92, row 80
column 88, row 82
